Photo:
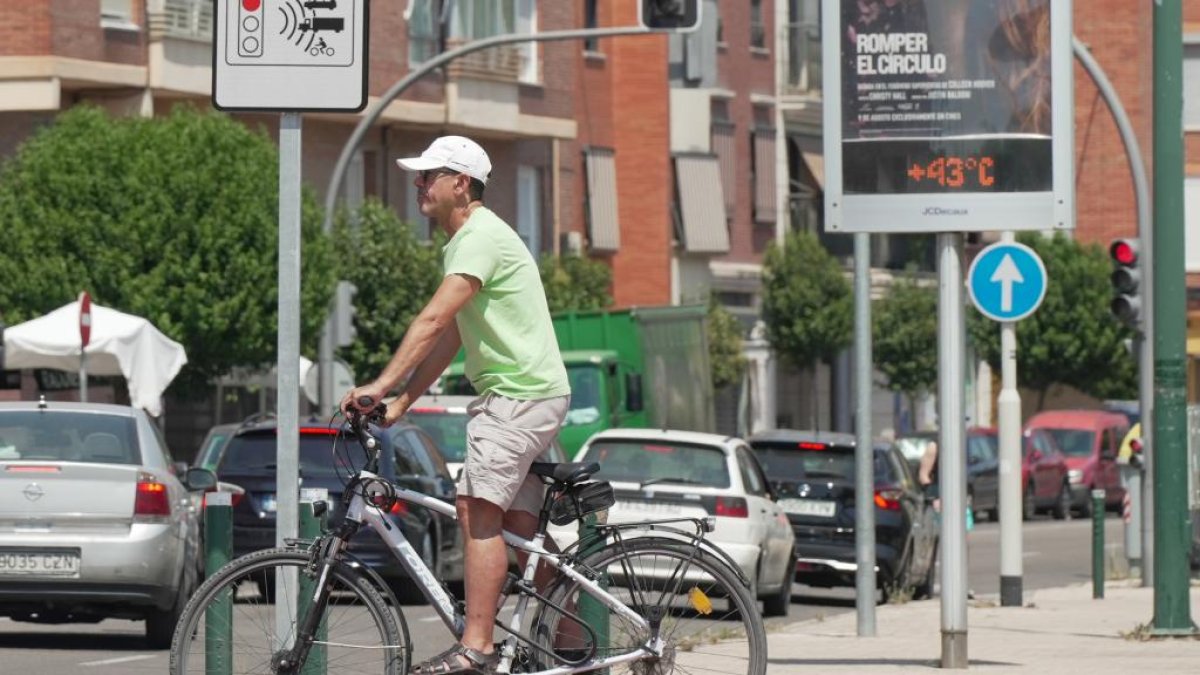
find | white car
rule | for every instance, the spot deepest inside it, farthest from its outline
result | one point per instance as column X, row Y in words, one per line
column 658, row 474
column 95, row 519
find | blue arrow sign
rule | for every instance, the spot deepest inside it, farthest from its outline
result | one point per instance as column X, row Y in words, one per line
column 1007, row 281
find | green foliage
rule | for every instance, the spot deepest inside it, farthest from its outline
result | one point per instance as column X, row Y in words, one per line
column 1072, row 338
column 396, row 274
column 905, row 336
column 807, row 301
column 174, row 219
column 575, row 282
column 724, row 333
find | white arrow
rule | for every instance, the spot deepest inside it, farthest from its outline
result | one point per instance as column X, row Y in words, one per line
column 1006, row 275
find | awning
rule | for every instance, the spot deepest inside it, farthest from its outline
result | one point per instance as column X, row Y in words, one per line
column 701, row 204
column 816, row 164
column 604, row 229
column 724, row 145
column 764, row 176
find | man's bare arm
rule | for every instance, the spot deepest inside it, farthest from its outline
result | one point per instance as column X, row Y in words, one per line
column 422, row 336
column 426, row 373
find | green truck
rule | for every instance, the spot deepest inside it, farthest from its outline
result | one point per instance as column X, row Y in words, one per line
column 639, row 367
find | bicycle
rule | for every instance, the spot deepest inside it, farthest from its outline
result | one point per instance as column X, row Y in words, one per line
column 656, row 592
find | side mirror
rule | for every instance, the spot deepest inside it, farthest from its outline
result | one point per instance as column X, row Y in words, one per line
column 633, row 388
column 197, row 479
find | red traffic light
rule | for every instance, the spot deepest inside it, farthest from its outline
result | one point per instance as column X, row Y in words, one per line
column 251, row 5
column 1124, row 251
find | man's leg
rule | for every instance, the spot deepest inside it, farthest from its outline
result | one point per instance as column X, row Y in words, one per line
column 524, row 524
column 486, row 568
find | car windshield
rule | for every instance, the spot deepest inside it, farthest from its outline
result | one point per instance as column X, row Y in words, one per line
column 659, row 462
column 1074, row 442
column 68, row 437
column 257, row 453
column 587, row 394
column 982, row 447
column 791, row 461
column 447, row 429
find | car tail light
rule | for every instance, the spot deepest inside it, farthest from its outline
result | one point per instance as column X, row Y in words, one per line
column 151, row 500
column 732, row 507
column 427, row 410
column 808, row 445
column 399, row 508
column 888, row 500
column 319, row 431
column 32, row 468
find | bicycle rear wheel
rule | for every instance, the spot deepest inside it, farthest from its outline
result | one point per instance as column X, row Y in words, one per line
column 230, row 624
column 672, row 583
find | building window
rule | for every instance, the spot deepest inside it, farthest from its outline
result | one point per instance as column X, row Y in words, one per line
column 424, row 30
column 529, row 208
column 764, row 188
column 604, row 229
column 1191, row 83
column 591, row 20
column 116, row 14
column 758, row 29
column 527, row 23
column 1191, row 221
column 476, row 19
column 804, row 45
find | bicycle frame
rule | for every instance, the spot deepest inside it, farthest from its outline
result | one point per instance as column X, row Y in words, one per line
column 361, row 512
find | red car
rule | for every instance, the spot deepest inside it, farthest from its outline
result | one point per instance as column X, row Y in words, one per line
column 1044, row 482
column 1090, row 440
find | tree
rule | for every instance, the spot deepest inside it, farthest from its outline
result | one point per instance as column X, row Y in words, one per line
column 807, row 302
column 905, row 337
column 173, row 219
column 724, row 334
column 1072, row 338
column 575, row 282
column 395, row 273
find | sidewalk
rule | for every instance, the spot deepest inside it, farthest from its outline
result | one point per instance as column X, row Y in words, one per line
column 1060, row 630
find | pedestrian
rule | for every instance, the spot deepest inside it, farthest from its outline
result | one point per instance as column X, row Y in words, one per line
column 492, row 304
column 927, row 476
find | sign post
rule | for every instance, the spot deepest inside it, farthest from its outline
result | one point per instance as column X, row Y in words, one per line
column 85, row 337
column 950, row 117
column 1007, row 282
column 289, row 57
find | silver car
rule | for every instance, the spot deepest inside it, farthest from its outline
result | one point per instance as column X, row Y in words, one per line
column 95, row 520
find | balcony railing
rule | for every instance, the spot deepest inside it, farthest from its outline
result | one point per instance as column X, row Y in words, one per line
column 804, row 58
column 188, row 19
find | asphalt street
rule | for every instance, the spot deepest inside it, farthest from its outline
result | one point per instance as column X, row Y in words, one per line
column 1056, row 553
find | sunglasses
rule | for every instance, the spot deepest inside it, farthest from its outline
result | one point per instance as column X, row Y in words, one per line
column 430, row 175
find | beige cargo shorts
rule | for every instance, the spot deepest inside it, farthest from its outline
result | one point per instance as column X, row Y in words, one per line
column 504, row 437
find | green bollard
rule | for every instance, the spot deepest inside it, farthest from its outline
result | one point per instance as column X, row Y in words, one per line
column 311, row 527
column 1098, row 544
column 591, row 610
column 218, row 549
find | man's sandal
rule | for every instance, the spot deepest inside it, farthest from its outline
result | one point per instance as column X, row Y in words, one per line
column 447, row 663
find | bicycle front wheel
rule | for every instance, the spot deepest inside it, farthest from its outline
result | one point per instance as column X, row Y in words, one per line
column 706, row 616
column 244, row 619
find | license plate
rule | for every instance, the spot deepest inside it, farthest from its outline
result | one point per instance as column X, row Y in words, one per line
column 649, row 507
column 268, row 503
column 809, row 507
column 39, row 563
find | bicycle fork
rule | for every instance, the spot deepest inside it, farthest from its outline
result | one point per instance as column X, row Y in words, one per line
column 308, row 625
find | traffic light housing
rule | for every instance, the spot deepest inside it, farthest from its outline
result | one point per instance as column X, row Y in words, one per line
column 676, row 15
column 1126, row 280
column 344, row 331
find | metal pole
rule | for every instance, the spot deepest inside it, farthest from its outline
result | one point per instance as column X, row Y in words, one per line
column 1141, row 193
column 83, row 383
column 864, row 453
column 218, row 549
column 1172, row 615
column 1097, row 497
column 287, row 472
column 951, row 440
column 1009, row 413
column 325, row 348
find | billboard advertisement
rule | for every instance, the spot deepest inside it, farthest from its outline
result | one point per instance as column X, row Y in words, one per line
column 946, row 115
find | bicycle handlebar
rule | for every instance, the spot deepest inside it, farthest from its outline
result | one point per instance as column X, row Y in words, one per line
column 359, row 420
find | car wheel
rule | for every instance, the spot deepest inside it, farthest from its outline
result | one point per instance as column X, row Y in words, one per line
column 780, row 602
column 1028, row 505
column 160, row 623
column 1062, row 505
column 1085, row 510
column 407, row 591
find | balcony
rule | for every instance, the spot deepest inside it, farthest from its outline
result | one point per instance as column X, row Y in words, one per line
column 184, row 19
column 497, row 64
column 181, row 33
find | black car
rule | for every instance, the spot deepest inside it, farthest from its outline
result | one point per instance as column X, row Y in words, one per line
column 813, row 475
column 409, row 459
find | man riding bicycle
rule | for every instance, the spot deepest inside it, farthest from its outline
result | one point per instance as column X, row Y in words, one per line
column 490, row 302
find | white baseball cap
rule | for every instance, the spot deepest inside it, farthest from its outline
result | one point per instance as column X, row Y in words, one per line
column 457, row 153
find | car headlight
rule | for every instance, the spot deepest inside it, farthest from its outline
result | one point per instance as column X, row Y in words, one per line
column 1075, row 476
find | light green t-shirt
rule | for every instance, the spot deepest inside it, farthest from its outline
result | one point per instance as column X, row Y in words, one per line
column 506, row 329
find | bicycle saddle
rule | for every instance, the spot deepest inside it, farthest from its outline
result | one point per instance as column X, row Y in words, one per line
column 568, row 472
